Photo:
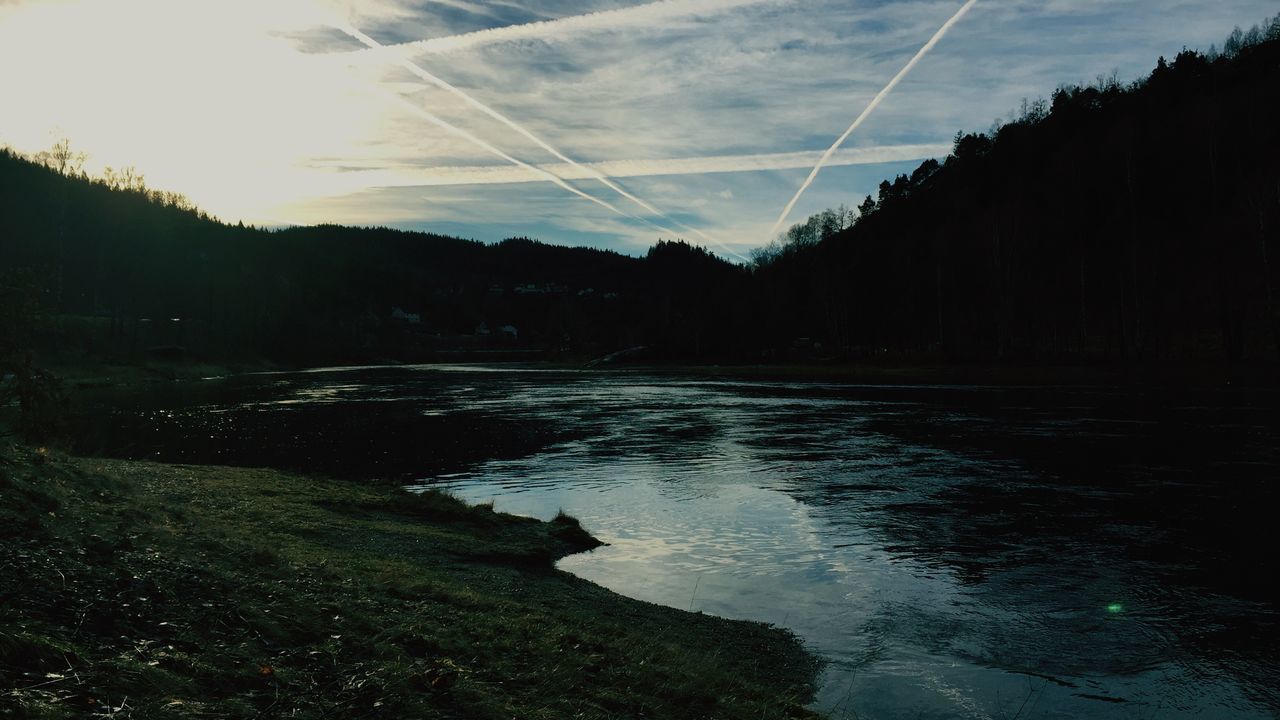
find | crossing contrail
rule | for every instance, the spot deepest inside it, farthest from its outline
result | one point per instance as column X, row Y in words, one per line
column 469, row 137
column 700, row 165
column 871, row 106
column 646, row 16
column 590, row 172
column 544, row 174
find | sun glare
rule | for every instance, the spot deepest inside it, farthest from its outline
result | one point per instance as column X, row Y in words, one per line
column 209, row 99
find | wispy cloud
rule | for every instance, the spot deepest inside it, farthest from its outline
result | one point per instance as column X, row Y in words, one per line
column 591, row 173
column 870, row 108
column 710, row 164
column 636, row 16
column 490, row 148
column 712, row 111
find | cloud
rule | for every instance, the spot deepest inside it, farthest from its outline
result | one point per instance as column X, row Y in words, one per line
column 504, row 174
column 711, row 111
column 636, row 16
column 870, row 108
column 509, row 123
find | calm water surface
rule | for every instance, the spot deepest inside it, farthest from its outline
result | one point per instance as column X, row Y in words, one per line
column 953, row 552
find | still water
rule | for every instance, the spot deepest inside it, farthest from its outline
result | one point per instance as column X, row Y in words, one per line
column 952, row 552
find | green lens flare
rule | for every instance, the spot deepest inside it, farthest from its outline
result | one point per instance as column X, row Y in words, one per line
column 1115, row 608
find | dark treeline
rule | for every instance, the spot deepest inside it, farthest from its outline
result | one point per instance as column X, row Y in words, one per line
column 120, row 271
column 1109, row 224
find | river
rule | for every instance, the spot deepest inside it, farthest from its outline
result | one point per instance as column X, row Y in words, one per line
column 951, row 551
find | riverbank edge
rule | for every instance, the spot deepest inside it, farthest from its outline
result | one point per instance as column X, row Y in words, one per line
column 150, row 590
column 1204, row 377
column 1264, row 376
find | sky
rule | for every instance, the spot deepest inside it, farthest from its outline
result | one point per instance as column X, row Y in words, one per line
column 609, row 123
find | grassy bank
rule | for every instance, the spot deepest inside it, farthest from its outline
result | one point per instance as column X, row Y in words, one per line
column 89, row 374
column 143, row 590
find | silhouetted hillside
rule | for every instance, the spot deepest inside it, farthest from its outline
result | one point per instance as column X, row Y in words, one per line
column 1113, row 223
column 1110, row 224
column 125, row 271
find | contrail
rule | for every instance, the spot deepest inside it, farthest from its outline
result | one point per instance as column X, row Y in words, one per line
column 591, row 172
column 701, row 165
column 875, row 101
column 645, row 15
column 441, row 122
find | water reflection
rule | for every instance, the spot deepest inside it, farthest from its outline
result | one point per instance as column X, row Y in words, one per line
column 954, row 552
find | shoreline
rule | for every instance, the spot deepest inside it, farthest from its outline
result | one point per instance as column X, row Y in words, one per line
column 193, row 590
column 94, row 375
column 1261, row 375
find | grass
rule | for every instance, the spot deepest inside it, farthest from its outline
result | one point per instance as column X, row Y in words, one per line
column 140, row 372
column 144, row 590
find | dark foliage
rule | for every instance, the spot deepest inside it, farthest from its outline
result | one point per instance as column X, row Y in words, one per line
column 42, row 404
column 128, row 272
column 1116, row 223
column 1109, row 224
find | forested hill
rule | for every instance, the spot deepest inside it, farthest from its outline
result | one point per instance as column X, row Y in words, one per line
column 121, row 271
column 1114, row 223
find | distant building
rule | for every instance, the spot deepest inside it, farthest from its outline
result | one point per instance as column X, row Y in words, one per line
column 405, row 317
column 544, row 289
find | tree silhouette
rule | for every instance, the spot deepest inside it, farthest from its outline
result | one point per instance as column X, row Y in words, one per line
column 62, row 158
column 1114, row 223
